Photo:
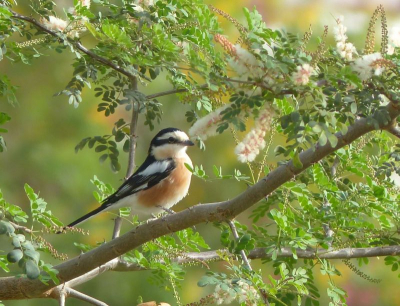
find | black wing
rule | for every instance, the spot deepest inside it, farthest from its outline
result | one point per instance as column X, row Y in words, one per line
column 150, row 173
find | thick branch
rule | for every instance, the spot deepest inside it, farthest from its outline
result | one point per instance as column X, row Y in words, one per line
column 394, row 130
column 23, row 288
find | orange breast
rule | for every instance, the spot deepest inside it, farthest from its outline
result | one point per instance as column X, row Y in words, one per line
column 169, row 191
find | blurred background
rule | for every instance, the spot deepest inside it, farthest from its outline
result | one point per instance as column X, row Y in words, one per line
column 45, row 129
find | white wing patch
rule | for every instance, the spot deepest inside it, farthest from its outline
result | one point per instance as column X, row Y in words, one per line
column 157, row 167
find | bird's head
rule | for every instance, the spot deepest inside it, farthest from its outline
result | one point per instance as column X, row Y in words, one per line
column 168, row 143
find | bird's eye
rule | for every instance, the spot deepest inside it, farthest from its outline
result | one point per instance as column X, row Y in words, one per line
column 171, row 140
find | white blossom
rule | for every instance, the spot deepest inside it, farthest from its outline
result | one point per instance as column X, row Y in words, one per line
column 207, row 126
column 245, row 63
column 254, row 142
column 302, row 75
column 345, row 49
column 223, row 296
column 368, row 65
column 395, row 178
column 241, row 291
column 55, row 24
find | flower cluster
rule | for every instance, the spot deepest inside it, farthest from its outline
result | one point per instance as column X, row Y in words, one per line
column 240, row 291
column 302, row 75
column 207, row 126
column 345, row 49
column 54, row 24
column 226, row 44
column 57, row 24
column 245, row 63
column 253, row 142
column 368, row 65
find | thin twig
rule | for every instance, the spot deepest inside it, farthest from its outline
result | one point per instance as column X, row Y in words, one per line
column 245, row 259
column 61, row 298
column 78, row 45
column 22, row 228
column 132, row 150
column 108, row 266
column 132, row 133
column 117, row 226
column 242, row 253
column 172, row 91
column 83, row 297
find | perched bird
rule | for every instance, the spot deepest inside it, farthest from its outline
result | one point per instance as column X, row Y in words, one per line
column 159, row 183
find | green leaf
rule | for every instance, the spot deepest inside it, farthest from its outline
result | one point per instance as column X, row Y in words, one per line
column 297, row 162
column 4, row 118
column 101, row 148
column 323, row 139
column 32, row 255
column 333, row 140
column 353, row 108
column 32, row 269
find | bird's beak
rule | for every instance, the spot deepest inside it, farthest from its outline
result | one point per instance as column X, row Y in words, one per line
column 187, row 143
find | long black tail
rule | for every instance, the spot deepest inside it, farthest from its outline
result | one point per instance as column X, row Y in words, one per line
column 85, row 217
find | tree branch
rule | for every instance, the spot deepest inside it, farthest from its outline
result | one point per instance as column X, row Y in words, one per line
column 242, row 252
column 171, row 92
column 132, row 150
column 22, row 288
column 261, row 253
column 77, row 44
column 83, row 297
column 394, row 130
column 132, row 132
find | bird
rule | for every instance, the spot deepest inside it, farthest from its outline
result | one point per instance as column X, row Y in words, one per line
column 158, row 184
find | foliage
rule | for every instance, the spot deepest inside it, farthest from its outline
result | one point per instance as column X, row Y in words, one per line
column 349, row 199
column 25, row 241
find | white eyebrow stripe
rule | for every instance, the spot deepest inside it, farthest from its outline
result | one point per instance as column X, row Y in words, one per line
column 177, row 134
column 157, row 167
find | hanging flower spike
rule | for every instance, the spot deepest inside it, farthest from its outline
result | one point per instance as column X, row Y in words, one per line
column 207, row 126
column 302, row 75
column 226, row 44
column 245, row 64
column 344, row 49
column 253, row 142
